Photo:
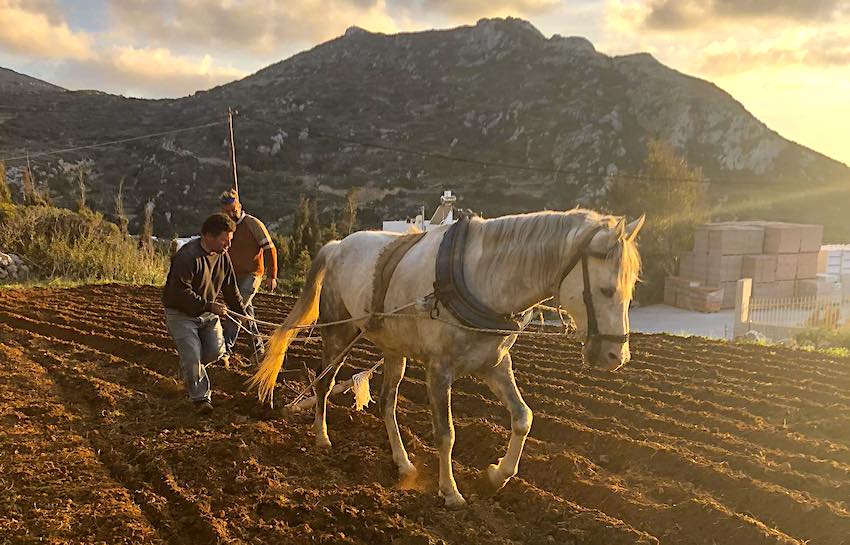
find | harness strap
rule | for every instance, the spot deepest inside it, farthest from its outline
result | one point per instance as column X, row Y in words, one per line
column 388, row 261
column 580, row 252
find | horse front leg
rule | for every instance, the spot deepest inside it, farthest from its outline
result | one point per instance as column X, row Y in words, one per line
column 440, row 394
column 500, row 380
column 394, row 367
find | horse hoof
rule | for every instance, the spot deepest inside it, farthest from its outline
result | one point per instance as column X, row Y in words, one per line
column 407, row 471
column 495, row 479
column 407, row 476
column 454, row 501
column 323, row 443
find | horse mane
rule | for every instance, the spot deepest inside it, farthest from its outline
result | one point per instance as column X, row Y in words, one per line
column 629, row 267
column 529, row 239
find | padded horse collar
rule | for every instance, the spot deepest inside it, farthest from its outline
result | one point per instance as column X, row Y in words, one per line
column 450, row 288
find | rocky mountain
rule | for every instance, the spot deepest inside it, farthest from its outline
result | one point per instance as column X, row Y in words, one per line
column 12, row 83
column 495, row 92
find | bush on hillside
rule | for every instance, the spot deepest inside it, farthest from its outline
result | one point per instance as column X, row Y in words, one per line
column 84, row 247
column 673, row 197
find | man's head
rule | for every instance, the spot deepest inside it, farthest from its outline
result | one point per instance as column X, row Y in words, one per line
column 217, row 232
column 230, row 205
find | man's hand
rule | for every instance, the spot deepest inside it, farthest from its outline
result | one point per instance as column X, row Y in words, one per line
column 271, row 284
column 219, row 308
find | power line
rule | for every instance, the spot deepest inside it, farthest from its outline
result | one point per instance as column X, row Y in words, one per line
column 111, row 142
column 513, row 166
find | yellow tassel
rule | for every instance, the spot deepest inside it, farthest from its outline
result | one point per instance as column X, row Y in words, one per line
column 360, row 387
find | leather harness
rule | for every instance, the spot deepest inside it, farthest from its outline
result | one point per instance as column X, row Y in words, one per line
column 450, row 288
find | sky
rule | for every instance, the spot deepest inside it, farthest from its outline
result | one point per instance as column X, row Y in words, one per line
column 786, row 61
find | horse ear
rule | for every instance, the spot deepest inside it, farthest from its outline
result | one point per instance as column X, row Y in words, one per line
column 605, row 239
column 634, row 227
column 620, row 228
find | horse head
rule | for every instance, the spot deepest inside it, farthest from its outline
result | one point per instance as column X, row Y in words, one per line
column 598, row 290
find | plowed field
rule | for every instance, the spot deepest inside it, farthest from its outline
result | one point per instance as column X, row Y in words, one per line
column 694, row 442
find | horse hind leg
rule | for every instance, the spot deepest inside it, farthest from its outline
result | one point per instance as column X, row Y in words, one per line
column 500, row 380
column 439, row 392
column 335, row 341
column 394, row 367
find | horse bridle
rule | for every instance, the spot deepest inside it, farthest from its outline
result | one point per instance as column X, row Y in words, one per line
column 587, row 295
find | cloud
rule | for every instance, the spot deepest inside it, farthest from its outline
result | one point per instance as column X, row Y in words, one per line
column 799, row 10
column 682, row 15
column 476, row 8
column 153, row 72
column 754, row 40
column 265, row 26
column 821, row 50
column 260, row 26
column 36, row 29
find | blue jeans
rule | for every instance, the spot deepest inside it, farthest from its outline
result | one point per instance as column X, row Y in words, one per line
column 199, row 342
column 248, row 286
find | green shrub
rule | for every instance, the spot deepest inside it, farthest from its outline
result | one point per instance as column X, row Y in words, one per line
column 821, row 338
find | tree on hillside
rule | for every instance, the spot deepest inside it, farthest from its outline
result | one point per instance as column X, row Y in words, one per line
column 299, row 224
column 331, row 233
column 314, row 242
column 5, row 193
column 32, row 196
column 283, row 244
column 673, row 196
column 348, row 222
column 146, row 234
column 81, row 184
column 120, row 213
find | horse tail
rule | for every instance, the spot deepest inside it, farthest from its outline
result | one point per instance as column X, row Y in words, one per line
column 305, row 312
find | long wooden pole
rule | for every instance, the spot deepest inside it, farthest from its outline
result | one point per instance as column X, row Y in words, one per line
column 235, row 184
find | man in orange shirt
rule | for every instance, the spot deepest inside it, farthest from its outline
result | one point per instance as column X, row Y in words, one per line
column 252, row 253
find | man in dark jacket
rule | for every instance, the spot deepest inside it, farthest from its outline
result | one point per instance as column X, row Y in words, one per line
column 200, row 270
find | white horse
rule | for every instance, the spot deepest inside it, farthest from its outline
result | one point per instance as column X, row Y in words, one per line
column 510, row 264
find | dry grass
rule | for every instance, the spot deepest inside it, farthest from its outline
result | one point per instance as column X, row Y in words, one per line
column 69, row 247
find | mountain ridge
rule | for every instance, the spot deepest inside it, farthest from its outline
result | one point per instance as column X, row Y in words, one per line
column 496, row 92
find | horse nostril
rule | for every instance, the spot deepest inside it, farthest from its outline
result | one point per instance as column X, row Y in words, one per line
column 612, row 356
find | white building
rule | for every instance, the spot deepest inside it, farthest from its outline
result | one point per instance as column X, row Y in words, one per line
column 443, row 215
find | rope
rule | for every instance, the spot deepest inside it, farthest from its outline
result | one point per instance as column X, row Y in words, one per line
column 242, row 327
column 325, row 324
column 492, row 331
column 327, row 369
column 395, row 313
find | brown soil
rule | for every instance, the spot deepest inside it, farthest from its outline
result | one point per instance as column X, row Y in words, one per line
column 696, row 442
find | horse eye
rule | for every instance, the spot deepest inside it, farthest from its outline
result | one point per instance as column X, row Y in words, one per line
column 608, row 292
